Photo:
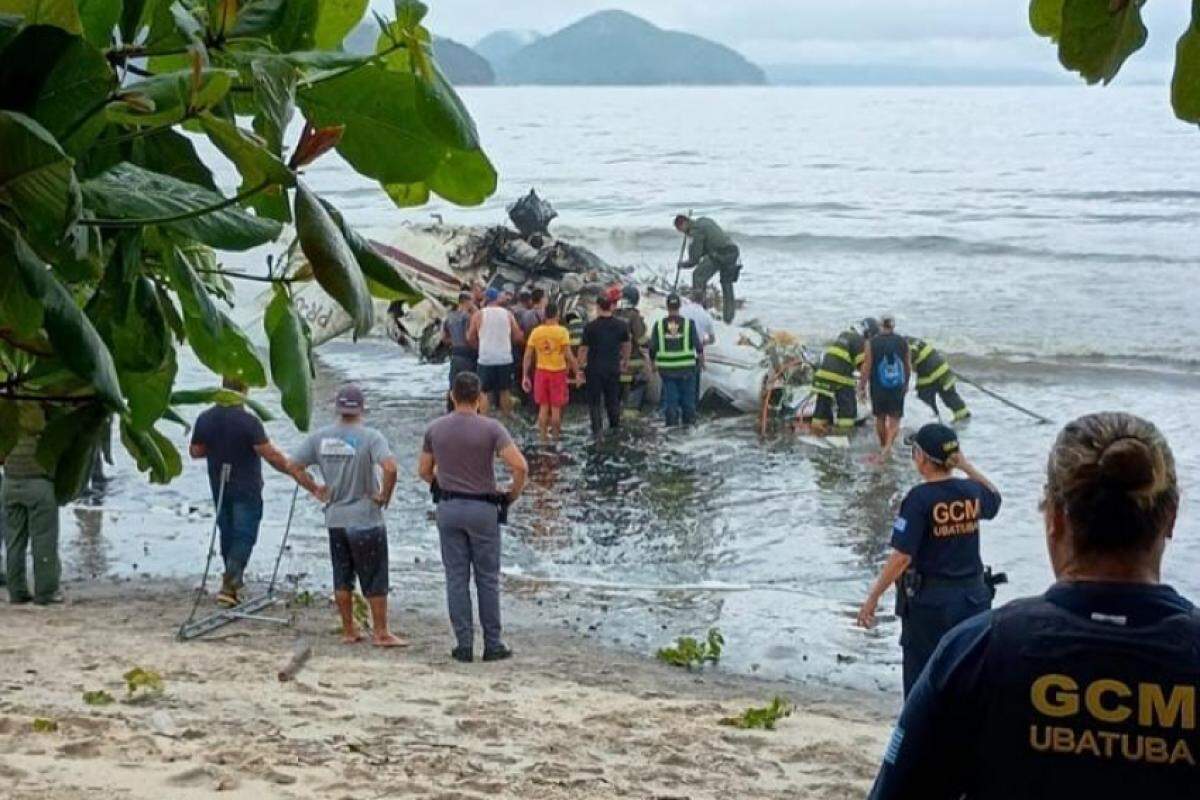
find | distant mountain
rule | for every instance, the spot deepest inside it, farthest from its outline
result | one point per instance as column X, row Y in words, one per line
column 617, row 48
column 461, row 65
column 906, row 75
column 500, row 46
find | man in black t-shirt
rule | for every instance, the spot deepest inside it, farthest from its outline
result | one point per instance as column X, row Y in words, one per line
column 229, row 434
column 935, row 549
column 604, row 352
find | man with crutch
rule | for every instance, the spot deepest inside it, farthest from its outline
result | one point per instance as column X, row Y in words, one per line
column 229, row 434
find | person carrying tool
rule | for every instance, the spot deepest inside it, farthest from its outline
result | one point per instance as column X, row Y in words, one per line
column 886, row 368
column 633, row 371
column 834, row 384
column 710, row 253
column 935, row 561
column 936, row 379
column 1087, row 690
column 229, row 434
column 677, row 353
column 458, row 461
column 347, row 454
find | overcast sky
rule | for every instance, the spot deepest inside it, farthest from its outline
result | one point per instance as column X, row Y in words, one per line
column 976, row 33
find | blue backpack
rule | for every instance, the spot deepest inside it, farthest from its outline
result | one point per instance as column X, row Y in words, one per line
column 890, row 372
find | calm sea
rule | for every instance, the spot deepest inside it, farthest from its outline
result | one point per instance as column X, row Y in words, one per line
column 1045, row 237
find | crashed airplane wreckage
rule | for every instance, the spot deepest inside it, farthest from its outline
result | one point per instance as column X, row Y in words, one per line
column 749, row 368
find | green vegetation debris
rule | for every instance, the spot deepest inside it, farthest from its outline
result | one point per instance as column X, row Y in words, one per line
column 362, row 612
column 98, row 698
column 764, row 717
column 303, row 599
column 690, row 653
column 45, row 725
column 143, row 682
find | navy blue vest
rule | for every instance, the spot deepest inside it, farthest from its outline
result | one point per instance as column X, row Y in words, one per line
column 1090, row 709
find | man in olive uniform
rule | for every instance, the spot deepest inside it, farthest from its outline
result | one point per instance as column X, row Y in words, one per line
column 834, row 384
column 30, row 515
column 935, row 379
column 633, row 376
column 710, row 253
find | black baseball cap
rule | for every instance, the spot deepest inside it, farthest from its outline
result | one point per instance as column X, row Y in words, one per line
column 935, row 440
column 673, row 301
column 350, row 400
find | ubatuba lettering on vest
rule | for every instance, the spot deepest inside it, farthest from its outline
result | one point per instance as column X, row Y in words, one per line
column 956, row 518
column 1156, row 721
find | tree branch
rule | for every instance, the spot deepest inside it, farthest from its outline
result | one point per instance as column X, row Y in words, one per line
column 241, row 276
column 199, row 212
column 369, row 60
column 24, row 347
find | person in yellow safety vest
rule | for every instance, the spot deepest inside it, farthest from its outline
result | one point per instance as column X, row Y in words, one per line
column 633, row 377
column 936, row 379
column 834, row 384
column 678, row 354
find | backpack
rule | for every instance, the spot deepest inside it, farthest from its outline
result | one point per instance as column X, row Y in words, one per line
column 890, row 372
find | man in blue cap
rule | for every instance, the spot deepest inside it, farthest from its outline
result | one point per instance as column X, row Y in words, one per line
column 935, row 560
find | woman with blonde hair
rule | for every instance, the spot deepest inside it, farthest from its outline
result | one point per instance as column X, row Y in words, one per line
column 1089, row 690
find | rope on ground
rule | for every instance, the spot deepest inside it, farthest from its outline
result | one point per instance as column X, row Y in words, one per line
column 996, row 396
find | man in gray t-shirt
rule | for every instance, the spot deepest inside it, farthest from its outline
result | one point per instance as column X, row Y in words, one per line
column 347, row 454
column 459, row 452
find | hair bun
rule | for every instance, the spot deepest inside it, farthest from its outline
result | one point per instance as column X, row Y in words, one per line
column 1130, row 464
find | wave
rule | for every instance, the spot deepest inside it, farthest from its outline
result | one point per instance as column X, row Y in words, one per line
column 659, row 238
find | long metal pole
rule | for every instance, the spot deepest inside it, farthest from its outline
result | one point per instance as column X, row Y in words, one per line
column 1006, row 401
column 212, row 544
column 682, row 248
column 283, row 544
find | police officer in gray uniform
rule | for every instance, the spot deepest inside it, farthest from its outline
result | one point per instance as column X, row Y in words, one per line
column 1089, row 690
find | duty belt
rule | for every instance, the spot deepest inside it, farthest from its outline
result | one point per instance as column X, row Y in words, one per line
column 500, row 501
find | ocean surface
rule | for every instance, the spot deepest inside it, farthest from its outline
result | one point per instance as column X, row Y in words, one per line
column 1046, row 238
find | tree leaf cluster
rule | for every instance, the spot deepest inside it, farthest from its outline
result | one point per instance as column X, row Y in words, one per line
column 761, row 717
column 112, row 227
column 1096, row 37
column 691, row 653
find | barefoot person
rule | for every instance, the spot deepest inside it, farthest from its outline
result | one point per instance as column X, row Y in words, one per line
column 347, row 454
column 458, row 460
column 549, row 351
column 886, row 369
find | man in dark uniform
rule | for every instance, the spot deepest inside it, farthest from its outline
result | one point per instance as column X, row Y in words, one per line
column 834, row 384
column 935, row 549
column 678, row 354
column 633, row 372
column 711, row 252
column 936, row 379
column 886, row 369
column 1089, row 690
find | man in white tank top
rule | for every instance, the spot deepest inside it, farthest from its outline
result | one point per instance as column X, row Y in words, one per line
column 494, row 331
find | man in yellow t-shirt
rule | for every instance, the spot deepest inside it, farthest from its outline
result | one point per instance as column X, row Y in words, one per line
column 549, row 349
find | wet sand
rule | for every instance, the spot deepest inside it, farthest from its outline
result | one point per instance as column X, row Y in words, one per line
column 566, row 718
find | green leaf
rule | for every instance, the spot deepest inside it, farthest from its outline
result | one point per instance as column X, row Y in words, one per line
column 60, row 13
column 217, row 341
column 168, row 98
column 99, row 18
column 149, row 392
column 1185, row 83
column 36, row 180
column 221, row 397
column 258, row 17
column 130, row 192
column 20, row 311
column 254, row 163
column 465, row 177
column 152, row 452
column 384, row 279
column 297, row 30
column 131, row 21
column 332, row 260
column 1096, row 40
column 291, row 357
column 407, row 195
column 67, row 448
column 173, row 154
column 439, row 107
column 9, row 26
column 274, row 98
column 335, row 19
column 1045, row 17
column 409, row 13
column 8, row 427
column 73, row 336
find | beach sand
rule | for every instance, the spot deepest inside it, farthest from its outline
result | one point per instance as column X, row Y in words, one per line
column 563, row 719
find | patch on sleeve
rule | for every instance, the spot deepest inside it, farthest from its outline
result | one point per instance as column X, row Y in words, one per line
column 893, row 748
column 900, row 525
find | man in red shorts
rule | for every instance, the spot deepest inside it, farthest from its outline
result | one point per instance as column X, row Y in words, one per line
column 549, row 350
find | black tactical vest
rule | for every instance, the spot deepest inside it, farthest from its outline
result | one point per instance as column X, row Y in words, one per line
column 1079, row 708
